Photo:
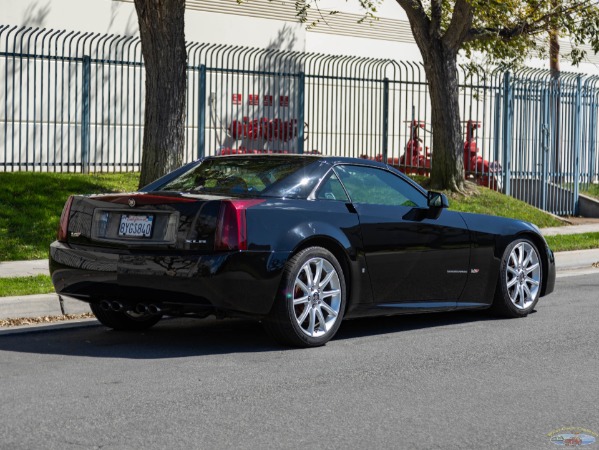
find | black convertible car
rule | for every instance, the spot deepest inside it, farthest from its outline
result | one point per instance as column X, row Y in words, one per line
column 299, row 242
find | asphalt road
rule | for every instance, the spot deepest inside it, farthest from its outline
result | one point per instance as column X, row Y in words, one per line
column 415, row 382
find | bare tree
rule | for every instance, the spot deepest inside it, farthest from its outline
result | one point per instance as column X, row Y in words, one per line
column 162, row 31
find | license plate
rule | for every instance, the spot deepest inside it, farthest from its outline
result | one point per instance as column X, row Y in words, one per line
column 134, row 225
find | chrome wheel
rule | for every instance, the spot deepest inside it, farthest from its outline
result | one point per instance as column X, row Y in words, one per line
column 523, row 275
column 316, row 297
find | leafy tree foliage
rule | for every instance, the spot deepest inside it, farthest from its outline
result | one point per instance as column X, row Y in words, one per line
column 505, row 31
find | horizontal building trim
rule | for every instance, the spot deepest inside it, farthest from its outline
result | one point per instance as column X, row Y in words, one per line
column 340, row 24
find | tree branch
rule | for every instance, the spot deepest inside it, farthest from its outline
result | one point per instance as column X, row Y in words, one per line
column 460, row 25
column 416, row 14
column 522, row 27
column 436, row 15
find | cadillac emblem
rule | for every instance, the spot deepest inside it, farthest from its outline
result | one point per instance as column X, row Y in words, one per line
column 131, row 202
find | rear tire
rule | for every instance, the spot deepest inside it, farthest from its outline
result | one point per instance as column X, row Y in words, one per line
column 124, row 320
column 520, row 280
column 309, row 308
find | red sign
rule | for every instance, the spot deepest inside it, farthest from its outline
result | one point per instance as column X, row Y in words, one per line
column 267, row 100
column 236, row 99
column 284, row 100
column 253, row 100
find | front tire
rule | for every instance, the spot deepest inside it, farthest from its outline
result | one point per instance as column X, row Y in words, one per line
column 124, row 320
column 310, row 305
column 520, row 280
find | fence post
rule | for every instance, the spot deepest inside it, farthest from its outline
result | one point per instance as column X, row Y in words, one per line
column 592, row 139
column 85, row 136
column 545, row 136
column 577, row 139
column 202, row 113
column 508, row 114
column 385, row 119
column 301, row 98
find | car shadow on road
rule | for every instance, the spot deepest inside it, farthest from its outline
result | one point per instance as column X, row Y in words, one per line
column 408, row 322
column 176, row 338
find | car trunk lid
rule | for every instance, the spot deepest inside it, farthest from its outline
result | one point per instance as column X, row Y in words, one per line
column 144, row 220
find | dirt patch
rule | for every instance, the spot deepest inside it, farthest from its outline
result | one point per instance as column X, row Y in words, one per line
column 44, row 319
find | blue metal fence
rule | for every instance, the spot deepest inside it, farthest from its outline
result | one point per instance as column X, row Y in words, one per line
column 72, row 101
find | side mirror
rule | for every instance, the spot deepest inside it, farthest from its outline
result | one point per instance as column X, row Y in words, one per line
column 437, row 200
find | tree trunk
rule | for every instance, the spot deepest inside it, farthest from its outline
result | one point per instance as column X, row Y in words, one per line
column 161, row 28
column 440, row 66
column 554, row 69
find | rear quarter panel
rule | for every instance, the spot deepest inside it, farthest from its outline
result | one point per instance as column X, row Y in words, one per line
column 287, row 226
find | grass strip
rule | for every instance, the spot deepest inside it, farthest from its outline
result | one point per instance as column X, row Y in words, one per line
column 568, row 242
column 38, row 284
column 592, row 190
column 493, row 203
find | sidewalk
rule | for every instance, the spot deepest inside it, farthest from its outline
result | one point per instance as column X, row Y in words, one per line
column 572, row 229
column 567, row 263
column 23, row 268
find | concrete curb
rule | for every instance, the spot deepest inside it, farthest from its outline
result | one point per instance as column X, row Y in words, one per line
column 577, row 259
column 40, row 305
column 561, row 231
column 54, row 326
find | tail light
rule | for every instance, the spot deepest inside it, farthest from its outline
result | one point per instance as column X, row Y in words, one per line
column 231, row 228
column 61, row 235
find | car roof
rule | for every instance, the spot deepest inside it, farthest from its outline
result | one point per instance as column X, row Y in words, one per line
column 330, row 159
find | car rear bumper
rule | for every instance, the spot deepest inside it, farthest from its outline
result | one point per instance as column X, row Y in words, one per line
column 234, row 283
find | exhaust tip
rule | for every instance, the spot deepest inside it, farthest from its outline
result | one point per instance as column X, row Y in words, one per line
column 141, row 308
column 105, row 305
column 153, row 309
column 116, row 306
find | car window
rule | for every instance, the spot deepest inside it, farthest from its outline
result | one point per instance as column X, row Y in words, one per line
column 331, row 189
column 378, row 187
column 236, row 175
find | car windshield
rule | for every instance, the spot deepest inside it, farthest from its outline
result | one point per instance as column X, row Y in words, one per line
column 236, row 175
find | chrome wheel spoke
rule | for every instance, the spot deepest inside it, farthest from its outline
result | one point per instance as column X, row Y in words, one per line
column 520, row 254
column 532, row 281
column 301, row 300
column 520, row 297
column 302, row 286
column 531, row 268
column 312, row 322
column 512, row 282
column 321, row 322
column 304, row 314
column 514, row 295
column 328, row 309
column 308, row 272
column 318, row 274
column 327, row 294
column 527, row 259
column 326, row 280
